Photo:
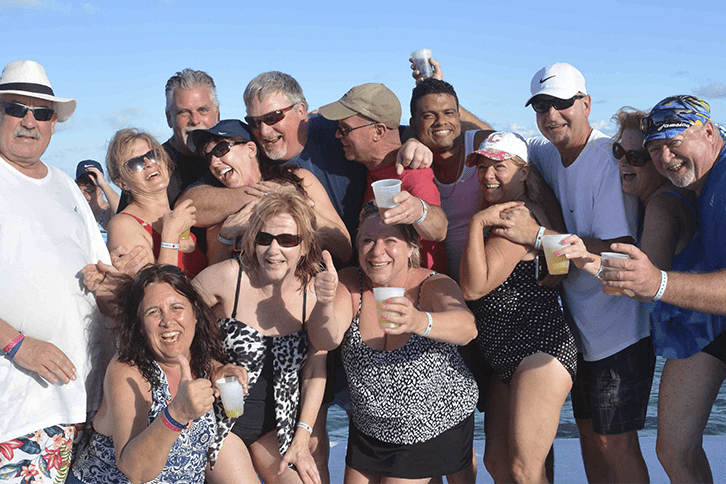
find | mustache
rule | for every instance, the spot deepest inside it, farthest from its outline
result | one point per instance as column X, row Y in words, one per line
column 26, row 132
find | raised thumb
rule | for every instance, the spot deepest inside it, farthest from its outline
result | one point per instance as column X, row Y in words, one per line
column 186, row 371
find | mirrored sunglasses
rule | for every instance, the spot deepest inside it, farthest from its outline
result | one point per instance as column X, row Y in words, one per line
column 137, row 163
column 269, row 119
column 634, row 158
column 18, row 110
column 221, row 149
column 284, row 240
column 542, row 105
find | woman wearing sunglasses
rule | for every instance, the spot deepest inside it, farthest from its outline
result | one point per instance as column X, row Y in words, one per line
column 138, row 164
column 233, row 159
column 412, row 396
column 264, row 297
column 670, row 238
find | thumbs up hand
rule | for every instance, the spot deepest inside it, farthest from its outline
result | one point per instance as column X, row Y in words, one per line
column 193, row 397
column 326, row 282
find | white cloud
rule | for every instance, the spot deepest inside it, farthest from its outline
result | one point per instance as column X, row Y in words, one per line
column 713, row 90
column 89, row 8
column 126, row 117
column 522, row 130
column 37, row 5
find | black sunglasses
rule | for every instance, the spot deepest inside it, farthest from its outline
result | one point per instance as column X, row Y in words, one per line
column 269, row 119
column 634, row 158
column 221, row 149
column 285, row 240
column 543, row 104
column 137, row 163
column 18, row 110
column 344, row 130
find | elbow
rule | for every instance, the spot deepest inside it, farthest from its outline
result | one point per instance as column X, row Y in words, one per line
column 323, row 342
column 134, row 474
column 470, row 331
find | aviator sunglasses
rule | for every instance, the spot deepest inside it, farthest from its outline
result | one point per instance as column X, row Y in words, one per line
column 137, row 163
column 285, row 240
column 634, row 158
column 18, row 110
column 269, row 119
column 345, row 131
column 542, row 105
column 221, row 149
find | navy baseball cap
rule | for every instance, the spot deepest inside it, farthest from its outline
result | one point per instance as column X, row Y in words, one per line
column 227, row 128
column 82, row 168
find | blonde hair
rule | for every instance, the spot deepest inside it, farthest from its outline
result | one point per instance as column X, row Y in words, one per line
column 627, row 118
column 120, row 146
column 408, row 234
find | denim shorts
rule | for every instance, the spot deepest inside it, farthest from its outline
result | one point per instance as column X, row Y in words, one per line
column 614, row 392
column 717, row 347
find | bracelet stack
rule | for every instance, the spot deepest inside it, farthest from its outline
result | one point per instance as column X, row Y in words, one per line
column 425, row 212
column 13, row 347
column 169, row 421
column 167, row 245
column 538, row 241
column 429, row 325
column 305, row 426
column 662, row 288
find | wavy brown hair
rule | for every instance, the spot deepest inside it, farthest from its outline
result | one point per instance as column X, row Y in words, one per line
column 133, row 347
column 293, row 204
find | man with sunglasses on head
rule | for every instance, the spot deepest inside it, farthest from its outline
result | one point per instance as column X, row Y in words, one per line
column 616, row 359
column 49, row 327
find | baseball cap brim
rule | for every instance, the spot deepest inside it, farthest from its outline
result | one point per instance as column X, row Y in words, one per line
column 336, row 111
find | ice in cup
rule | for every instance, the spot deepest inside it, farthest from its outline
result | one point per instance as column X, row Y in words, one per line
column 420, row 59
column 556, row 264
column 612, row 291
column 384, row 191
column 381, row 294
column 233, row 396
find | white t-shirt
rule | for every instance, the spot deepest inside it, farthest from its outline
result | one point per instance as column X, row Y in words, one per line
column 47, row 235
column 593, row 205
column 460, row 201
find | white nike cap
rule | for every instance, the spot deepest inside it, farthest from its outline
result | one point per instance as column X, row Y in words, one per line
column 559, row 80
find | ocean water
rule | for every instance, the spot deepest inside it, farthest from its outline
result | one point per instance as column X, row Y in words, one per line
column 338, row 420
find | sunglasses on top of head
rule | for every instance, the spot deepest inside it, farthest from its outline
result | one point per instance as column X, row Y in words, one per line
column 284, row 240
column 269, row 118
column 137, row 163
column 221, row 149
column 634, row 158
column 543, row 104
column 18, row 110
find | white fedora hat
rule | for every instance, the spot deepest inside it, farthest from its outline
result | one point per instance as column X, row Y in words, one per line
column 28, row 78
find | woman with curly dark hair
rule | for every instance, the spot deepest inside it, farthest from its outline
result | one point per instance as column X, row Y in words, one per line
column 156, row 421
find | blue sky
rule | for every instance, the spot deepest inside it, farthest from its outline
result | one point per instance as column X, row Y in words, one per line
column 115, row 57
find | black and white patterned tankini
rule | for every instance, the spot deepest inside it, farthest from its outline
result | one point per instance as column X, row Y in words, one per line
column 410, row 394
column 520, row 318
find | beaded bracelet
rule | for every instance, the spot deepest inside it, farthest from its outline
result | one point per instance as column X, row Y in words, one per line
column 662, row 288
column 16, row 347
column 425, row 212
column 429, row 325
column 170, row 422
column 225, row 241
column 12, row 343
column 538, row 240
column 167, row 245
column 305, row 426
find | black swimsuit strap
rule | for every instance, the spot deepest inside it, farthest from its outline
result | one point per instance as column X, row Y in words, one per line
column 418, row 298
column 236, row 292
column 305, row 302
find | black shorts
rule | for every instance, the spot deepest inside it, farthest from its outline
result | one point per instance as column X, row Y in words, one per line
column 447, row 453
column 614, row 392
column 717, row 347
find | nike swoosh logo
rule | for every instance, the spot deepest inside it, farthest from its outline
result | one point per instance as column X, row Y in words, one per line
column 543, row 80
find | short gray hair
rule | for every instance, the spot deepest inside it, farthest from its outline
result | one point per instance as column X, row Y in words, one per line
column 273, row 82
column 189, row 79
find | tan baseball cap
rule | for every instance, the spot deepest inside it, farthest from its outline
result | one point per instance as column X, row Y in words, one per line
column 372, row 100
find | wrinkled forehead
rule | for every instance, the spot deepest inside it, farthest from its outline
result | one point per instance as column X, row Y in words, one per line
column 32, row 102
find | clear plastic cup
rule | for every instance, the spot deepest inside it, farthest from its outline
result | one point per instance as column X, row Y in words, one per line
column 612, row 291
column 556, row 264
column 384, row 191
column 381, row 294
column 420, row 59
column 233, row 396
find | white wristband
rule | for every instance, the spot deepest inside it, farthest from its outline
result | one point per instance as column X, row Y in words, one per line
column 305, row 426
column 429, row 325
column 225, row 241
column 167, row 245
column 662, row 288
column 538, row 241
column 425, row 212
